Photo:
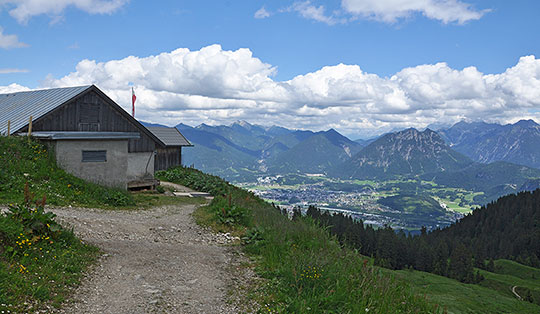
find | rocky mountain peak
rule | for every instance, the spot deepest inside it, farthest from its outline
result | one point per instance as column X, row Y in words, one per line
column 408, row 152
column 242, row 123
column 526, row 123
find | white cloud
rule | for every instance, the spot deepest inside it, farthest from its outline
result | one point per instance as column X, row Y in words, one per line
column 217, row 86
column 390, row 11
column 10, row 41
column 12, row 70
column 23, row 10
column 262, row 13
column 310, row 11
column 12, row 88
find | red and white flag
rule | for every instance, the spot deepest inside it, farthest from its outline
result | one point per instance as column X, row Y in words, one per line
column 133, row 98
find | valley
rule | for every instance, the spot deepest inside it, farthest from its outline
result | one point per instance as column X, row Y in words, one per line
column 405, row 179
column 375, row 202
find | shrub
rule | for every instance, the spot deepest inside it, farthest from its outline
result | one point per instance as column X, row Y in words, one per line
column 160, row 189
column 229, row 214
column 195, row 179
column 34, row 219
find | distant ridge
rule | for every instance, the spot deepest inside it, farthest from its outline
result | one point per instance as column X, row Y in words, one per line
column 487, row 142
column 316, row 154
column 242, row 151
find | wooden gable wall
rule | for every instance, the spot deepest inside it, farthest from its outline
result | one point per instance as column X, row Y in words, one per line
column 92, row 112
column 168, row 157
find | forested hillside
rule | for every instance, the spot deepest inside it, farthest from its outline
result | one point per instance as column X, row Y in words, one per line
column 508, row 228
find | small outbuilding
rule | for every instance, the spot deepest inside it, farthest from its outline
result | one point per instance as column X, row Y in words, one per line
column 171, row 154
column 93, row 137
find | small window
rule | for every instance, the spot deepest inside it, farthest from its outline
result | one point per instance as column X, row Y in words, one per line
column 94, row 155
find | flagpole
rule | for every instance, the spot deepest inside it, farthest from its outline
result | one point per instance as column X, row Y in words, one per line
column 133, row 98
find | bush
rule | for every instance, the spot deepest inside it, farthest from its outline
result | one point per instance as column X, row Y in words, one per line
column 117, row 198
column 160, row 189
column 35, row 221
column 229, row 214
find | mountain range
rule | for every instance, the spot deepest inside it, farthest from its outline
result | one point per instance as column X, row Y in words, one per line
column 482, row 156
column 488, row 142
column 241, row 151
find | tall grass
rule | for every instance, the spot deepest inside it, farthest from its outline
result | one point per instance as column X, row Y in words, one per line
column 39, row 260
column 305, row 268
column 31, row 162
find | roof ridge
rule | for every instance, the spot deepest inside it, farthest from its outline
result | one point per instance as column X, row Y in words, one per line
column 48, row 89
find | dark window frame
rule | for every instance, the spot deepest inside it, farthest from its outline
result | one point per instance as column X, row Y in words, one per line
column 94, row 156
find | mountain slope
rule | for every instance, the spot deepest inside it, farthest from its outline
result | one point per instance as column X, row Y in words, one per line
column 508, row 228
column 243, row 149
column 517, row 143
column 240, row 133
column 216, row 154
column 495, row 179
column 316, row 154
column 405, row 153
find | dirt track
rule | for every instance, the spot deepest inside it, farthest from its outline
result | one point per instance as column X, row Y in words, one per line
column 155, row 261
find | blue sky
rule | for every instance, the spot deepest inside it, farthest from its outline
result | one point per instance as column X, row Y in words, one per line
column 402, row 61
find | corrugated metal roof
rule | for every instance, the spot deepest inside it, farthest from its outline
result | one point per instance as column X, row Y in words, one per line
column 18, row 107
column 86, row 135
column 169, row 136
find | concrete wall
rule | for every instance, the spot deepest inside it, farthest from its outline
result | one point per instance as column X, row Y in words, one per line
column 140, row 166
column 110, row 173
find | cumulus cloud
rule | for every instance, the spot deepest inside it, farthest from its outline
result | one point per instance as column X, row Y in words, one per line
column 390, row 11
column 12, row 88
column 262, row 13
column 10, row 41
column 217, row 86
column 23, row 10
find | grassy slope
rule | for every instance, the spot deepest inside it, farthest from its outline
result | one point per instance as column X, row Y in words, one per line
column 305, row 269
column 285, row 249
column 39, row 261
column 23, row 161
column 456, row 297
column 493, row 295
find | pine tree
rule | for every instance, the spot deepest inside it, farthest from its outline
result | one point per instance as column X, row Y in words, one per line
column 461, row 266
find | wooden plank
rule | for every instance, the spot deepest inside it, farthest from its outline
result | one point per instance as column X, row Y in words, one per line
column 149, row 183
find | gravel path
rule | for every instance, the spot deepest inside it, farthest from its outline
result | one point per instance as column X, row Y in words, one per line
column 155, row 261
